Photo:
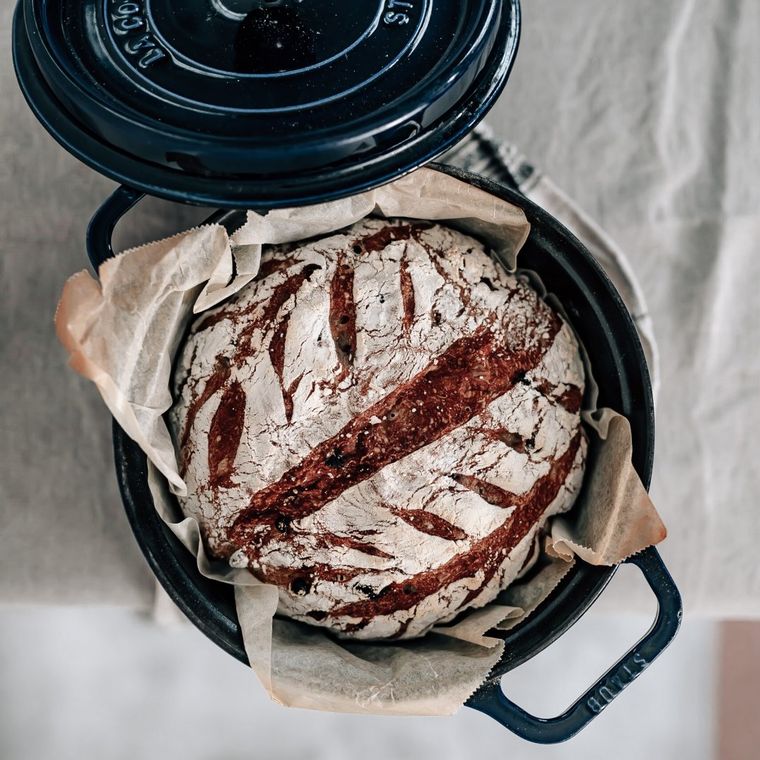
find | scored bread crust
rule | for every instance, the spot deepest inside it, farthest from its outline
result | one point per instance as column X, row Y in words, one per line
column 380, row 425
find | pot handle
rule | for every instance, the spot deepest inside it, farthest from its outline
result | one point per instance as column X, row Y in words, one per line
column 491, row 700
column 105, row 219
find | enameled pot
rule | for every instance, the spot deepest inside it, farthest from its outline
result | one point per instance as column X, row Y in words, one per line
column 604, row 325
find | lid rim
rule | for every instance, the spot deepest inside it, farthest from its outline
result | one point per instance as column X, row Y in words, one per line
column 268, row 191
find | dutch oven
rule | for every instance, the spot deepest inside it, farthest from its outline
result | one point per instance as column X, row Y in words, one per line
column 263, row 104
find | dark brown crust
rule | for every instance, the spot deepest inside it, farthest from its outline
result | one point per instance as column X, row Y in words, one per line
column 530, row 557
column 486, row 555
column 271, row 265
column 343, row 314
column 285, row 577
column 280, row 295
column 277, row 357
column 214, row 383
column 283, row 292
column 224, row 435
column 287, row 396
column 432, row 524
column 379, row 241
column 513, row 440
column 267, row 268
column 570, row 399
column 407, row 295
column 211, row 320
column 276, row 301
column 332, row 540
column 489, row 492
column 469, row 375
column 402, row 629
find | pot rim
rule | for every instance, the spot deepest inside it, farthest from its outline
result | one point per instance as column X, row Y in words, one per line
column 174, row 566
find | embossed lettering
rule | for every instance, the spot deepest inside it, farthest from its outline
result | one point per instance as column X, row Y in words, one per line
column 607, row 694
column 396, row 19
column 151, row 57
column 398, row 12
column 594, row 706
column 127, row 20
column 124, row 24
column 618, row 683
column 613, row 685
column 143, row 42
column 639, row 660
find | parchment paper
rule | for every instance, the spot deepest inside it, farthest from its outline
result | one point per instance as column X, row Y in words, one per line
column 123, row 332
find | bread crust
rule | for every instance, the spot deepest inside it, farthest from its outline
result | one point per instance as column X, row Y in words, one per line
column 380, row 424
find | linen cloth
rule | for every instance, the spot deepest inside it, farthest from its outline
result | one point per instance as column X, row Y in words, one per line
column 646, row 114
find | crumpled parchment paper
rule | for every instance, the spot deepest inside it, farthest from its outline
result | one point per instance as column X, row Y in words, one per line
column 123, row 331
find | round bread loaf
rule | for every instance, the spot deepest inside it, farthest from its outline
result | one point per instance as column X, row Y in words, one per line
column 380, row 425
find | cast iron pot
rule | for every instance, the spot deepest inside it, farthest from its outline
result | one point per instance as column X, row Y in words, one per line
column 398, row 92
column 605, row 327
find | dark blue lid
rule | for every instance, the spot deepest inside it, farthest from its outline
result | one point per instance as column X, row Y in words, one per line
column 261, row 102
